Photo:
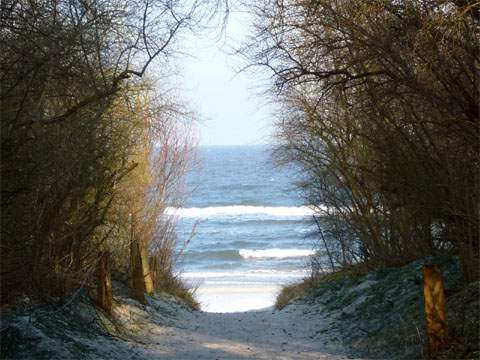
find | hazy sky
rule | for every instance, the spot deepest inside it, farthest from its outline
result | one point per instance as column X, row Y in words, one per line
column 229, row 105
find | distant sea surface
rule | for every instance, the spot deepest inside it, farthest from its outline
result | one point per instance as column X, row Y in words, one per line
column 251, row 225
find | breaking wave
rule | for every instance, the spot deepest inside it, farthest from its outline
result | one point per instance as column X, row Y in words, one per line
column 240, row 210
column 247, row 274
column 274, row 253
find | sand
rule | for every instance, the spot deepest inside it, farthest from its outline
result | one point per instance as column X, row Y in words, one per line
column 235, row 298
column 166, row 329
column 297, row 332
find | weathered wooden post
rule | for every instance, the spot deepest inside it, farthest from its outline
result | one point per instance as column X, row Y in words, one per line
column 104, row 286
column 434, row 298
column 154, row 270
column 141, row 279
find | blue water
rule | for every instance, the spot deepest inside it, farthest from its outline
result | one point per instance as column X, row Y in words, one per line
column 251, row 225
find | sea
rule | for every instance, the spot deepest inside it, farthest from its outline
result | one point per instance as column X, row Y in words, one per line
column 251, row 228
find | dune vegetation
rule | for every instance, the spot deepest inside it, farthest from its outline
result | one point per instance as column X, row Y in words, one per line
column 380, row 110
column 94, row 147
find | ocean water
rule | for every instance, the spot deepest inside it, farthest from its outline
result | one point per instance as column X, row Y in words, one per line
column 251, row 228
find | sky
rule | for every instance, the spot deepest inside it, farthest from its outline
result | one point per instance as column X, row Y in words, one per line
column 229, row 104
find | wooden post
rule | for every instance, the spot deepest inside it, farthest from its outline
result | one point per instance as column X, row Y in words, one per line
column 141, row 279
column 434, row 297
column 104, row 286
column 153, row 271
column 147, row 276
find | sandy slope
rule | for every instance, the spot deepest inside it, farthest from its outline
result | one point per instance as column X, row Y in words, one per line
column 296, row 332
column 165, row 329
column 288, row 334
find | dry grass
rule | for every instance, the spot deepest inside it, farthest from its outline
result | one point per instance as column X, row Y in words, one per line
column 292, row 292
column 463, row 317
column 174, row 285
column 298, row 290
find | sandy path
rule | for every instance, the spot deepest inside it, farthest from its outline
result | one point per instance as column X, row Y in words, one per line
column 166, row 329
column 296, row 332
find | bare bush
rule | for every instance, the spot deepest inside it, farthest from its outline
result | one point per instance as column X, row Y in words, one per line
column 380, row 109
column 74, row 126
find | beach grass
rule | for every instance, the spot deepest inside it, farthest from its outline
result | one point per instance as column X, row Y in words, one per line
column 297, row 290
column 175, row 285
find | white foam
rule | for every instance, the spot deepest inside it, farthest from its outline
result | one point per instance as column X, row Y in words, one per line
column 239, row 210
column 275, row 253
column 245, row 274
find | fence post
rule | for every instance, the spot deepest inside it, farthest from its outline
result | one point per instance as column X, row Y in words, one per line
column 434, row 298
column 141, row 280
column 104, row 285
column 154, row 271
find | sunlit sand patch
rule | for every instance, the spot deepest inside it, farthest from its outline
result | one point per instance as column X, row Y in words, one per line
column 233, row 298
column 230, row 346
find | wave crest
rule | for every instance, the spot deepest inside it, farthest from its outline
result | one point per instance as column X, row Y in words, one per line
column 274, row 253
column 239, row 210
column 246, row 274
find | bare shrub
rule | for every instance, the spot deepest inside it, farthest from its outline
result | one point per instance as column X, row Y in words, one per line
column 75, row 126
column 380, row 109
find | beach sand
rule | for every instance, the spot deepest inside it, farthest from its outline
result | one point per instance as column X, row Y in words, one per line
column 236, row 297
column 166, row 329
column 299, row 331
column 238, row 321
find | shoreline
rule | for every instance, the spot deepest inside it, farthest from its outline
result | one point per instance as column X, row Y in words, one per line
column 236, row 297
column 226, row 292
